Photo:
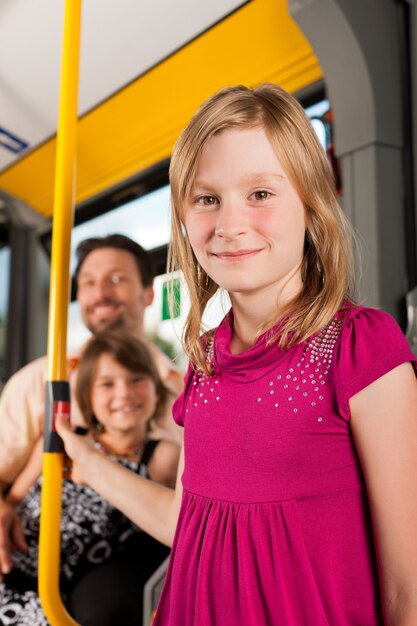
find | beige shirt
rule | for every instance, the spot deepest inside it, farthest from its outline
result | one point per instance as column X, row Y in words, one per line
column 22, row 404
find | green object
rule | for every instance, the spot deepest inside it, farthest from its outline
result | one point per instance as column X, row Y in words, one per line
column 175, row 293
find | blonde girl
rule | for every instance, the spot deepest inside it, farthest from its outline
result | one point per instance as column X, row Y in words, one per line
column 296, row 498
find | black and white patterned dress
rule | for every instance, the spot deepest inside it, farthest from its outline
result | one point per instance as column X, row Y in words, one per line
column 92, row 531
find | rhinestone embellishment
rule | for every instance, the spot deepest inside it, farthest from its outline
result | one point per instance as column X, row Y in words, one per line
column 303, row 384
column 312, row 370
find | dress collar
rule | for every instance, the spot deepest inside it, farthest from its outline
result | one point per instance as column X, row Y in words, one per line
column 249, row 365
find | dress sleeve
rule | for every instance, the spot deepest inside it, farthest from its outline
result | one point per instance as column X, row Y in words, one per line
column 371, row 345
column 178, row 409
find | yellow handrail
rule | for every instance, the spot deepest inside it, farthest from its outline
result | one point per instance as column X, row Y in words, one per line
column 49, row 539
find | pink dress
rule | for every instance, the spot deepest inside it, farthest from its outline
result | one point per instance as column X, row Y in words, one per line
column 274, row 527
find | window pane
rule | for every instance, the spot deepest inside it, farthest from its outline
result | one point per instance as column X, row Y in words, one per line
column 146, row 220
column 166, row 332
column 317, row 113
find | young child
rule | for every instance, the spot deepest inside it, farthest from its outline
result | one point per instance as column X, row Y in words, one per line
column 119, row 392
column 297, row 495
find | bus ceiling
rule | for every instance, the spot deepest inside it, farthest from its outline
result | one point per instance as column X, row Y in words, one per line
column 140, row 81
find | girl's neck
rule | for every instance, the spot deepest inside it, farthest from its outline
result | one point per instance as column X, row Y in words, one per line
column 246, row 323
column 243, row 337
column 120, row 443
column 251, row 311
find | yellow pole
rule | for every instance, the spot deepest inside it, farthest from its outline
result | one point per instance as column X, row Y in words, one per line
column 49, row 539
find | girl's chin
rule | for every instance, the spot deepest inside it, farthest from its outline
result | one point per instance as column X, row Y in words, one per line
column 128, row 427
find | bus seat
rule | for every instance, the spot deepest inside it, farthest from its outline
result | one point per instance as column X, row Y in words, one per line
column 152, row 591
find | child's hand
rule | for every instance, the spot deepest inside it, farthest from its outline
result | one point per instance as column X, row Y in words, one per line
column 11, row 536
column 79, row 448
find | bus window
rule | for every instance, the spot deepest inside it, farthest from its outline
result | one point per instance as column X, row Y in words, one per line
column 146, row 220
column 316, row 113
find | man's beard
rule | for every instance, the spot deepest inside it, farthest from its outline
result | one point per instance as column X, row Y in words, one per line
column 110, row 324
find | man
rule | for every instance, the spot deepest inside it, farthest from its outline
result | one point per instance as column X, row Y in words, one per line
column 114, row 277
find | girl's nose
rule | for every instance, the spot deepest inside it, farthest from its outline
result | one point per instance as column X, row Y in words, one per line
column 231, row 221
column 122, row 389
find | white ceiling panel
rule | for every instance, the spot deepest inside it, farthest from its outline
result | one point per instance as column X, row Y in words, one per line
column 121, row 39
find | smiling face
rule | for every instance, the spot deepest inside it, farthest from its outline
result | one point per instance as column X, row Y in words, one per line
column 244, row 219
column 122, row 401
column 110, row 292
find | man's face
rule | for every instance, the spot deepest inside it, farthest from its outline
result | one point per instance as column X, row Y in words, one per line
column 110, row 292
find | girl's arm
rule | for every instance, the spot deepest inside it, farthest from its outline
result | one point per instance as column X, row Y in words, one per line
column 153, row 507
column 28, row 476
column 163, row 466
column 11, row 529
column 384, row 426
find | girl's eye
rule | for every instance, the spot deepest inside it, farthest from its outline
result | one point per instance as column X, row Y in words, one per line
column 137, row 379
column 207, row 200
column 107, row 384
column 261, row 194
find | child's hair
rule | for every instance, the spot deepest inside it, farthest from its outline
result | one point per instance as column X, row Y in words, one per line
column 130, row 353
column 327, row 269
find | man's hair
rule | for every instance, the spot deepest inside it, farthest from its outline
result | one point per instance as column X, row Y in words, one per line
column 143, row 259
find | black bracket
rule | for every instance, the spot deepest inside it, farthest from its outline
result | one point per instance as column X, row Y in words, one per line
column 58, row 402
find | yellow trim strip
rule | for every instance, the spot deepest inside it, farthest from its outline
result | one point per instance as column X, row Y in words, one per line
column 49, row 539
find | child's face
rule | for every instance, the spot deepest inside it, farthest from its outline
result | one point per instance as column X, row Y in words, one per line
column 122, row 401
column 244, row 219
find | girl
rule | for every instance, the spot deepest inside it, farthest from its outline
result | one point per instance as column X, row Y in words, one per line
column 297, row 499
column 119, row 392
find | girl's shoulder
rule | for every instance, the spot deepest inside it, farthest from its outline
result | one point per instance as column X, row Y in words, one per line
column 369, row 333
column 363, row 316
column 178, row 407
column 163, row 463
column 370, row 344
column 207, row 341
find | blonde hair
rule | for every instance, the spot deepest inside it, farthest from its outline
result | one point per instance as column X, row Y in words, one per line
column 327, row 267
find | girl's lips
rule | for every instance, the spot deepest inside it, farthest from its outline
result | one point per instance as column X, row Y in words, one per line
column 238, row 255
column 127, row 408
